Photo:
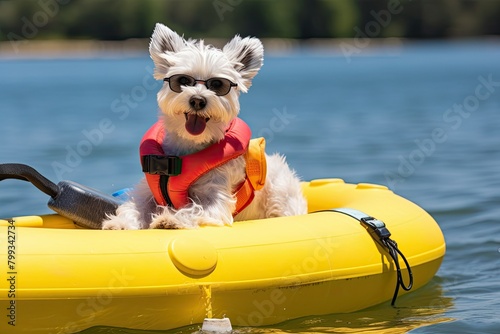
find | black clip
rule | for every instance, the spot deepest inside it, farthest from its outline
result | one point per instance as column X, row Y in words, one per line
column 170, row 165
column 381, row 234
column 376, row 227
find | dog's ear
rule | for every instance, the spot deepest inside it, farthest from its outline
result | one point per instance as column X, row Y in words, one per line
column 247, row 56
column 163, row 42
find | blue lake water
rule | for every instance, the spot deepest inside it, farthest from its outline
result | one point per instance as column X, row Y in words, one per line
column 422, row 118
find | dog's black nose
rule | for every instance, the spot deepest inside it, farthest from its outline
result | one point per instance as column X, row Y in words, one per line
column 198, row 102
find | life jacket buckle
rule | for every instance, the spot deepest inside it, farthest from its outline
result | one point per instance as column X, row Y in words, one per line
column 170, row 165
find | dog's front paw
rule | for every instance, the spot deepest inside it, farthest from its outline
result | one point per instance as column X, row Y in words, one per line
column 112, row 225
column 165, row 222
column 115, row 223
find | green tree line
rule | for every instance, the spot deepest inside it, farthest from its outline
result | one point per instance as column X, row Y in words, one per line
column 298, row 19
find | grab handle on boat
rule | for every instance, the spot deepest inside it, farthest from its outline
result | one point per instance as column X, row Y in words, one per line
column 87, row 207
column 27, row 173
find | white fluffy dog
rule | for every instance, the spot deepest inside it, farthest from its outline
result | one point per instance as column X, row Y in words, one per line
column 198, row 101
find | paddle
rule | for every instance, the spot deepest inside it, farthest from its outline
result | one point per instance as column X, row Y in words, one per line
column 87, row 207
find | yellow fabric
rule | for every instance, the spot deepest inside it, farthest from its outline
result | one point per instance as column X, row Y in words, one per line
column 256, row 166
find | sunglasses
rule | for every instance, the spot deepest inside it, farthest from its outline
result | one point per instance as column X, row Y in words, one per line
column 220, row 86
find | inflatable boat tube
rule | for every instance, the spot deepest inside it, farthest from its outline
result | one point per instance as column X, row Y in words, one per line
column 61, row 278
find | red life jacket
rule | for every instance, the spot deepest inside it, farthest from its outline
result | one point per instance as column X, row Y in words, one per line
column 169, row 177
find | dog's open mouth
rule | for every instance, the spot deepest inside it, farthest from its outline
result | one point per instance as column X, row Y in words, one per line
column 195, row 124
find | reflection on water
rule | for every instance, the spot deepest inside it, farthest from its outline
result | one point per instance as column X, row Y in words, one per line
column 425, row 306
column 421, row 308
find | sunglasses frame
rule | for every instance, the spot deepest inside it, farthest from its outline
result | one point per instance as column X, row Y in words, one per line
column 195, row 81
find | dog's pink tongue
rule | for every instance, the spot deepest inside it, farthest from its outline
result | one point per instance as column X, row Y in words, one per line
column 195, row 125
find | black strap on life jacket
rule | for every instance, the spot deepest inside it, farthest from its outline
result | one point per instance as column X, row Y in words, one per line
column 87, row 207
column 381, row 234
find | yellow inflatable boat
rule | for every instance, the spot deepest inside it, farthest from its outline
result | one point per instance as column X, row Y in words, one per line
column 59, row 278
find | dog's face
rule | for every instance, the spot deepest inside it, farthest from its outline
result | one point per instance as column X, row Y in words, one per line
column 200, row 97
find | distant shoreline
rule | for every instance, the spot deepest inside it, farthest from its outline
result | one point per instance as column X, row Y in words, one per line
column 50, row 49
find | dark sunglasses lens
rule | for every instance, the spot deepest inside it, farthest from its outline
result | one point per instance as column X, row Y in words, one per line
column 220, row 86
column 176, row 81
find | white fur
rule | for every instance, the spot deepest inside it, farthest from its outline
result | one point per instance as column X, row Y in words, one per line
column 211, row 199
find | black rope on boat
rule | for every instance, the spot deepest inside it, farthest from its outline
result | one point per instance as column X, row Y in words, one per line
column 381, row 234
column 392, row 246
